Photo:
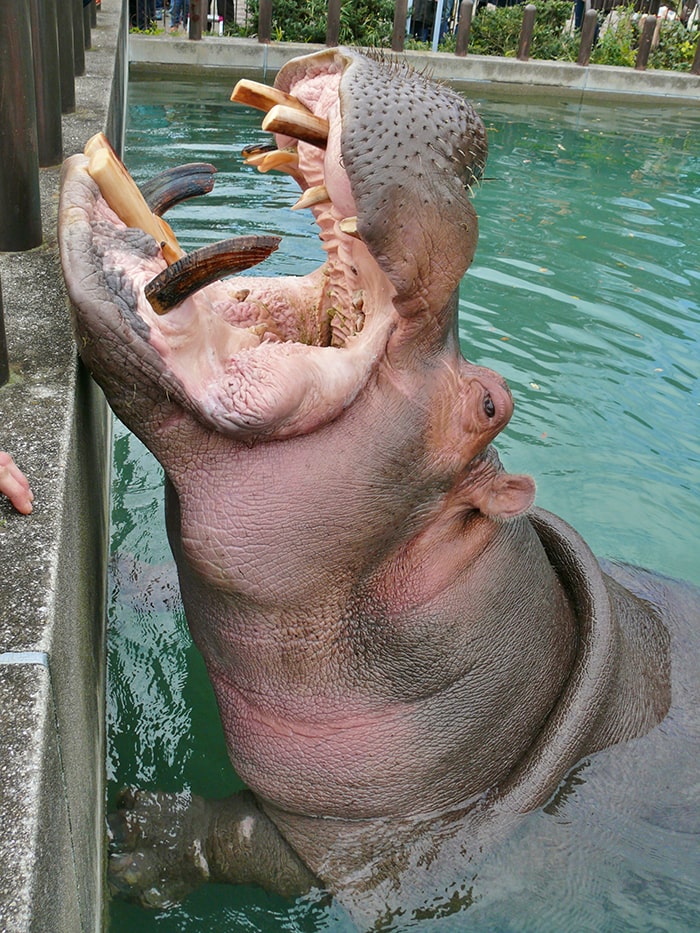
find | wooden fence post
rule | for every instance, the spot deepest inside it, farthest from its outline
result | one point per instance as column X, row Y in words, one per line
column 588, row 28
column 78, row 38
column 87, row 26
column 398, row 36
column 645, row 43
column 47, row 82
column 198, row 18
column 333, row 25
column 20, row 198
column 526, row 32
column 466, row 11
column 265, row 22
column 695, row 67
column 65, row 55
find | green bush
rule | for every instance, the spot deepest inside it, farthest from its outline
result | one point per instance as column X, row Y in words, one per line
column 497, row 31
column 493, row 32
column 362, row 22
column 548, row 39
column 676, row 48
column 618, row 44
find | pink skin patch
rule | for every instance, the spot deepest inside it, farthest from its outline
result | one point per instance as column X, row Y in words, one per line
column 15, row 485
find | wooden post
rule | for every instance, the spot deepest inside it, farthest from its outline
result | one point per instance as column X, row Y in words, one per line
column 526, row 32
column 47, row 82
column 695, row 67
column 645, row 43
column 265, row 22
column 588, row 28
column 20, row 199
column 333, row 25
column 198, row 16
column 87, row 25
column 78, row 38
column 65, row 55
column 398, row 36
column 466, row 11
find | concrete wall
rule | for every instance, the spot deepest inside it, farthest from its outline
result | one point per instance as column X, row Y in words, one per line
column 55, row 423
column 163, row 54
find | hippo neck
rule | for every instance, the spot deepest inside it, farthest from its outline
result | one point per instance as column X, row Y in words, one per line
column 610, row 695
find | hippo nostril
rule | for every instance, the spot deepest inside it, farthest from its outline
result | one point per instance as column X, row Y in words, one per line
column 489, row 407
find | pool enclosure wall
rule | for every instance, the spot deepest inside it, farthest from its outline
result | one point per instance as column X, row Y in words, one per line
column 55, row 423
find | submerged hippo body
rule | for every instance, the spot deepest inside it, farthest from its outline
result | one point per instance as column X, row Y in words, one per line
column 408, row 657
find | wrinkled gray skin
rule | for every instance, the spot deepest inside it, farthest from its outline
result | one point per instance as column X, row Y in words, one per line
column 407, row 656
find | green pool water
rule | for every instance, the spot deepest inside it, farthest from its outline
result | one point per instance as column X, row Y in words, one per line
column 585, row 295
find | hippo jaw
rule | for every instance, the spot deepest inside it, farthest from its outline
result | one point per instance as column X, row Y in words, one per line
column 261, row 358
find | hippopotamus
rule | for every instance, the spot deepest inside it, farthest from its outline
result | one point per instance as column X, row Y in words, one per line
column 424, row 679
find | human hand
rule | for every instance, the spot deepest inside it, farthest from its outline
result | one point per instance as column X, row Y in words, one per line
column 15, row 485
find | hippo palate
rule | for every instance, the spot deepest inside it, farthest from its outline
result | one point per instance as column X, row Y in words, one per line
column 298, row 324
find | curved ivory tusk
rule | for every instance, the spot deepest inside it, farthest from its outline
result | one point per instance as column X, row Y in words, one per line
column 288, row 121
column 203, row 266
column 177, row 184
column 264, row 97
column 123, row 195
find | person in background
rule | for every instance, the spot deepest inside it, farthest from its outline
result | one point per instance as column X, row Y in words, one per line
column 15, row 485
column 179, row 11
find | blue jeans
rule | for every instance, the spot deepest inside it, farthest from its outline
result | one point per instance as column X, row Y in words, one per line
column 179, row 12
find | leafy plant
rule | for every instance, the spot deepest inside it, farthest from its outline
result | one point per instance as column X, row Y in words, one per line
column 494, row 31
column 497, row 31
column 618, row 43
column 367, row 22
column 676, row 48
column 362, row 22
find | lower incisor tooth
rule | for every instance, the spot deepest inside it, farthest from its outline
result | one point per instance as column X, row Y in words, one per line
column 317, row 194
column 349, row 225
column 279, row 158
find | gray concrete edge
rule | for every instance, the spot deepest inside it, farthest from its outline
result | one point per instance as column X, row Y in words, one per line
column 167, row 54
column 55, row 423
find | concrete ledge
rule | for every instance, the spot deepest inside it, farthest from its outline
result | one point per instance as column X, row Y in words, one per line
column 37, row 867
column 247, row 56
column 55, row 423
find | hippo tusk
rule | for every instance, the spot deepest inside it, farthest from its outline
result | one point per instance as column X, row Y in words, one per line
column 202, row 266
column 283, row 159
column 178, row 184
column 289, row 121
column 317, row 194
column 264, row 97
column 122, row 194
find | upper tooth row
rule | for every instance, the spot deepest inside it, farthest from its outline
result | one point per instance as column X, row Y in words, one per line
column 285, row 114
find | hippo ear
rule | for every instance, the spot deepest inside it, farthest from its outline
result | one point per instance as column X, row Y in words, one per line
column 505, row 495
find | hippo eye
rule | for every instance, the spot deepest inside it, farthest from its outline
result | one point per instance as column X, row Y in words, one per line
column 489, row 407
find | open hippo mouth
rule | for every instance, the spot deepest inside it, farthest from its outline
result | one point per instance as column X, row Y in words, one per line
column 385, row 160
